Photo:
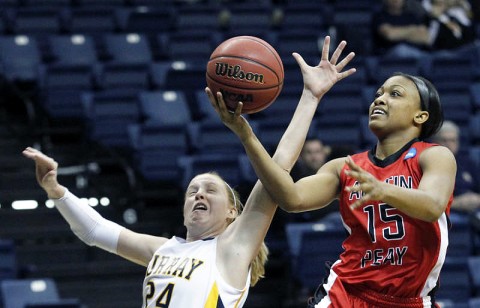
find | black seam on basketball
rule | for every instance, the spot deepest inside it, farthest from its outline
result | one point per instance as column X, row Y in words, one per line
column 269, row 47
column 248, row 60
column 241, row 88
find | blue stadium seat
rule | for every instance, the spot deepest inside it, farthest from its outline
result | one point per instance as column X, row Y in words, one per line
column 368, row 138
column 213, row 138
column 270, row 131
column 475, row 95
column 460, row 236
column 474, row 154
column 455, row 72
column 474, row 268
column 108, row 114
column 283, row 107
column 306, row 43
column 474, row 302
column 474, row 128
column 455, row 280
column 194, row 18
column 313, row 243
column 457, row 105
column 150, row 20
column 75, row 49
column 340, row 136
column 164, row 107
column 309, row 16
column 341, row 108
column 61, row 87
column 32, row 292
column 156, row 149
column 187, row 77
column 65, row 76
column 91, row 20
column 245, row 18
column 380, row 68
column 191, row 46
column 90, row 3
column 47, row 3
column 36, row 20
column 115, row 75
column 355, row 5
column 247, row 174
column 8, row 259
column 128, row 48
column 20, row 57
column 127, row 64
column 203, row 110
column 226, row 165
column 353, row 25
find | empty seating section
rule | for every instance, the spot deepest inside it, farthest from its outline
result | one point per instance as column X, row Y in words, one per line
column 130, row 76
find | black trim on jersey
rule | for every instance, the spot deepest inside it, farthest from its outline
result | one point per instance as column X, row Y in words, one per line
column 220, row 303
column 208, row 238
column 390, row 159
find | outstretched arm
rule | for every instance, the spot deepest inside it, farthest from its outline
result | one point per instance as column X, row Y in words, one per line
column 246, row 234
column 289, row 195
column 87, row 223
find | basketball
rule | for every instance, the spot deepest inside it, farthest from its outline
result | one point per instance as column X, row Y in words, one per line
column 246, row 69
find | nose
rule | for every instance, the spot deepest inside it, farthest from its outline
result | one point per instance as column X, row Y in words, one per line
column 378, row 100
column 199, row 195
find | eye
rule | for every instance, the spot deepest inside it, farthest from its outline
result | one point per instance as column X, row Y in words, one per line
column 395, row 93
column 191, row 192
column 377, row 94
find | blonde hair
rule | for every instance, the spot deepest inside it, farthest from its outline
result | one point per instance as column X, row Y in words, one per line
column 258, row 263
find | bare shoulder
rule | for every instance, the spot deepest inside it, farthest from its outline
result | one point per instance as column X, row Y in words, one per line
column 437, row 155
column 333, row 166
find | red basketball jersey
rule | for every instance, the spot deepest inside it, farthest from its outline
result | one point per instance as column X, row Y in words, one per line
column 388, row 251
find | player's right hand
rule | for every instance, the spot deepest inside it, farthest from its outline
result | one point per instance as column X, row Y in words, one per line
column 46, row 172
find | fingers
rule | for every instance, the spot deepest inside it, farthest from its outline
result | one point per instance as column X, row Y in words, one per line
column 300, row 61
column 40, row 158
column 347, row 73
column 238, row 110
column 326, row 48
column 349, row 161
column 338, row 52
column 345, row 61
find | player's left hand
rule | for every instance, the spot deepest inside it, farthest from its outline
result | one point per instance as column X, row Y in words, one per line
column 369, row 187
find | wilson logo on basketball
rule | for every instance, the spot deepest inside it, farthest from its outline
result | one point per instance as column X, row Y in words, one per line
column 236, row 72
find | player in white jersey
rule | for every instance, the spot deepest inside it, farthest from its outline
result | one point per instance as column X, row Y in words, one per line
column 223, row 252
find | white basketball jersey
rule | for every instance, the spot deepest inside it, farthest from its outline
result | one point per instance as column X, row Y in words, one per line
column 183, row 274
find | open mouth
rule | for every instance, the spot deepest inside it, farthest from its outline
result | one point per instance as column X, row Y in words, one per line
column 378, row 111
column 199, row 207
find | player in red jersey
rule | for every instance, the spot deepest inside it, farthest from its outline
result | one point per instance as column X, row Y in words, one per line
column 394, row 198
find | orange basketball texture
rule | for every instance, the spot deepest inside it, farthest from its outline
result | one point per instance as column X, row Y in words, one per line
column 246, row 69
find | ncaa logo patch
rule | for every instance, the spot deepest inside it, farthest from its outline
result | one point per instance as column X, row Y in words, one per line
column 411, row 154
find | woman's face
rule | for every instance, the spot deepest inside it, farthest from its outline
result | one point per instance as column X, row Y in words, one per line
column 396, row 105
column 207, row 206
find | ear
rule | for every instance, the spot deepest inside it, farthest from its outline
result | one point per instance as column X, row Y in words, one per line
column 421, row 117
column 232, row 213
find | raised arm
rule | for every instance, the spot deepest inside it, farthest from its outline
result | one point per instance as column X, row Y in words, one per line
column 246, row 234
column 87, row 224
column 298, row 196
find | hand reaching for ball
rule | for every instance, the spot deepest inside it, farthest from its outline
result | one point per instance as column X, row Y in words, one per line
column 233, row 120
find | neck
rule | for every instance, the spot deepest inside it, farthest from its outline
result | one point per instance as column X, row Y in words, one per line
column 389, row 146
